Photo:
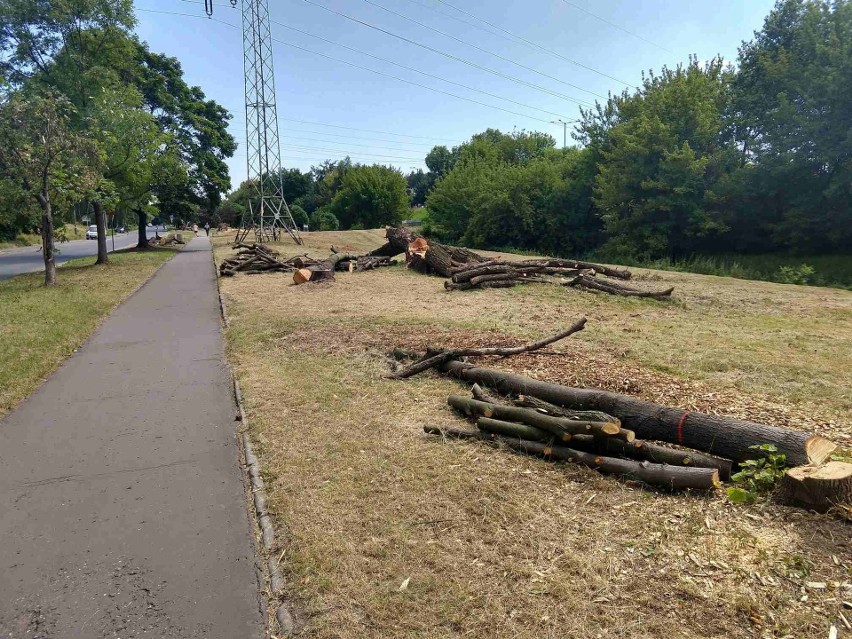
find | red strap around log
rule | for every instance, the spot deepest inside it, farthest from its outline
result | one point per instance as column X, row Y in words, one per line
column 680, row 428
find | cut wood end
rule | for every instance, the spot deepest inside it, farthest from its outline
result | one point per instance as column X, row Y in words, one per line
column 487, row 412
column 818, row 449
column 548, row 451
column 715, row 476
column 832, row 471
column 611, row 428
column 566, row 437
column 302, row 275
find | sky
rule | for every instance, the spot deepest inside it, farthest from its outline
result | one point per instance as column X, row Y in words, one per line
column 523, row 65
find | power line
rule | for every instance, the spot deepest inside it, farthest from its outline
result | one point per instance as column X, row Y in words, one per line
column 612, row 24
column 444, row 53
column 531, row 43
column 421, row 145
column 312, row 149
column 478, row 48
column 428, row 75
column 417, row 84
column 357, row 66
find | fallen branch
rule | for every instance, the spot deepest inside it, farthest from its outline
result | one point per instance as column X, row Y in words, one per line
column 445, row 356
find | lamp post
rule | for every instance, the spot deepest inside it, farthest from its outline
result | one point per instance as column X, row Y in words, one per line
column 564, row 131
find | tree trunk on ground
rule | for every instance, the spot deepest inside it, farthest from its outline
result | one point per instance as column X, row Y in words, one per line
column 100, row 221
column 47, row 240
column 723, row 436
column 559, row 427
column 819, row 488
column 143, row 231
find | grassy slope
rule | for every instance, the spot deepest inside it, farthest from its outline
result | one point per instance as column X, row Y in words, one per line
column 40, row 327
column 501, row 545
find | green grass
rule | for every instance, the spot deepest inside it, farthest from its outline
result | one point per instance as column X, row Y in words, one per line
column 40, row 327
column 828, row 270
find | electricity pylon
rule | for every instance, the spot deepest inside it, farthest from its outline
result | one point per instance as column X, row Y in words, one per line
column 267, row 212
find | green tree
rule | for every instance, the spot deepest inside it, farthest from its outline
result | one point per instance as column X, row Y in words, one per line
column 45, row 160
column 371, row 196
column 662, row 149
column 793, row 122
column 324, row 220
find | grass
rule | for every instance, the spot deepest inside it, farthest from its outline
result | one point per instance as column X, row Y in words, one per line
column 501, row 545
column 40, row 327
column 828, row 270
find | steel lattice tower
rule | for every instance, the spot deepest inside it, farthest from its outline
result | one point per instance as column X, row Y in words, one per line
column 267, row 212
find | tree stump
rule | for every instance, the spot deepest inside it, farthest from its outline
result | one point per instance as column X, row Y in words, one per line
column 818, row 487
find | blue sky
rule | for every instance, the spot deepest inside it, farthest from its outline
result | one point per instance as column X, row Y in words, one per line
column 330, row 94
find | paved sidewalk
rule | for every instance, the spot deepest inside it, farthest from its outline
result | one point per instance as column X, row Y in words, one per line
column 122, row 511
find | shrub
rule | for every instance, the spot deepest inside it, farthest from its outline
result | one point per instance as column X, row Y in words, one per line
column 324, row 220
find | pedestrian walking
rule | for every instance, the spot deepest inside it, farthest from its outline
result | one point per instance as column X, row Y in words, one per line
column 207, row 228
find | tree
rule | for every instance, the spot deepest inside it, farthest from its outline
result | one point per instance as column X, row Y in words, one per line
column 419, row 185
column 791, row 114
column 662, row 150
column 371, row 196
column 45, row 159
column 324, row 220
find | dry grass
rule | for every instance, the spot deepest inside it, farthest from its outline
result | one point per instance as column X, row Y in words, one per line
column 500, row 545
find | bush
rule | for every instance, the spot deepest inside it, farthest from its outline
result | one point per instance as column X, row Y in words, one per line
column 801, row 274
column 324, row 220
column 300, row 216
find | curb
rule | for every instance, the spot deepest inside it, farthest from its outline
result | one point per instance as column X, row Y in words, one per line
column 258, row 492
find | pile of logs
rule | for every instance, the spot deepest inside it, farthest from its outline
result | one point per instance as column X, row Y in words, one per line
column 590, row 438
column 257, row 258
column 626, row 436
column 468, row 270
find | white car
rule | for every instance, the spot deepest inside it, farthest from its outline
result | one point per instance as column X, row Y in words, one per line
column 92, row 232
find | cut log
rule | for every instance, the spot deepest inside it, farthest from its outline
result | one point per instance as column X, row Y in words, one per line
column 455, row 433
column 558, row 426
column 511, row 429
column 674, row 477
column 818, row 488
column 480, row 394
column 723, row 436
column 640, row 449
column 547, row 408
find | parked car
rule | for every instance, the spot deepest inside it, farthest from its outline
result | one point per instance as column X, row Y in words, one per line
column 92, row 232
column 121, row 229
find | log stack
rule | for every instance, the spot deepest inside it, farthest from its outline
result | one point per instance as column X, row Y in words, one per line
column 467, row 269
column 504, row 274
column 256, row 258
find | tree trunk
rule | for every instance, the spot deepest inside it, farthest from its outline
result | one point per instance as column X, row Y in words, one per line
column 47, row 245
column 143, row 230
column 818, row 488
column 722, row 436
column 561, row 428
column 558, row 411
column 100, row 220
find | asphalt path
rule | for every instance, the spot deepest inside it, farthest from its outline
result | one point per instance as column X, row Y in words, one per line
column 122, row 507
column 29, row 259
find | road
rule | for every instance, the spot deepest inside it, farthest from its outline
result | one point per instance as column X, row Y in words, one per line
column 29, row 260
column 122, row 507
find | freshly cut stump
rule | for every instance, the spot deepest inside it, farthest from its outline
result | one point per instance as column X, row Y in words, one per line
column 818, row 487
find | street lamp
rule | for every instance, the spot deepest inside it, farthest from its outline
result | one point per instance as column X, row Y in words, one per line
column 564, row 131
